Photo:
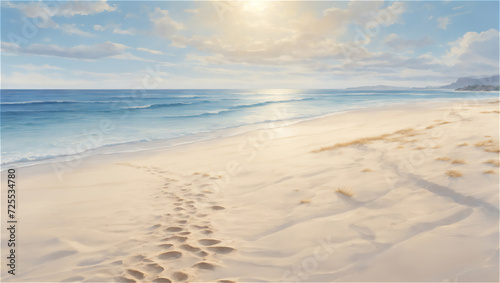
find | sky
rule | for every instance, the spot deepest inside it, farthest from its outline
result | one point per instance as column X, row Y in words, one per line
column 245, row 44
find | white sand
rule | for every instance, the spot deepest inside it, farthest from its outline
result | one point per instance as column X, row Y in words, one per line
column 124, row 216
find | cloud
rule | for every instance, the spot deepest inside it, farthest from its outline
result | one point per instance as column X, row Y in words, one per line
column 192, row 11
column 128, row 16
column 116, row 28
column 83, row 52
column 276, row 33
column 163, row 23
column 43, row 13
column 72, row 29
column 397, row 43
column 458, row 7
column 443, row 22
column 31, row 67
column 474, row 52
column 98, row 28
column 150, row 51
column 68, row 9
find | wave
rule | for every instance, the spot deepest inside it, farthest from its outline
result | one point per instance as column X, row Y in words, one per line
column 40, row 102
column 153, row 106
column 235, row 108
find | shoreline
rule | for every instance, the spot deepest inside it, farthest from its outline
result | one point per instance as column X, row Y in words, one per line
column 152, row 145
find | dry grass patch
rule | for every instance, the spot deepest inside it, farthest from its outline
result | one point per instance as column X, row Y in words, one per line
column 493, row 162
column 443, row 159
column 436, row 147
column 419, row 148
column 305, row 201
column 492, row 149
column 463, row 144
column 493, row 102
column 453, row 173
column 489, row 172
column 344, row 191
column 489, row 142
column 430, row 127
column 361, row 141
column 489, row 145
column 488, row 112
column 196, row 173
column 409, row 132
column 400, row 147
column 458, row 161
column 367, row 170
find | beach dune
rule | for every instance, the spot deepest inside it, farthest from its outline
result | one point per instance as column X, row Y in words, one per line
column 406, row 192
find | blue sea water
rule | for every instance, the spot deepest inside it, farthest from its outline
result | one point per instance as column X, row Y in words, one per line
column 37, row 125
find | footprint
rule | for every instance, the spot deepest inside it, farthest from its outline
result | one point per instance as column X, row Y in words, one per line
column 190, row 202
column 204, row 265
column 184, row 233
column 179, row 276
column 225, row 281
column 165, row 246
column 154, row 267
column 203, row 253
column 178, row 203
column 162, row 280
column 189, row 248
column 178, row 208
column 73, row 279
column 176, row 238
column 118, row 262
column 170, row 255
column 137, row 274
column 138, row 258
column 155, row 226
column 208, row 242
column 173, row 229
column 202, row 215
column 218, row 207
column 124, row 279
column 199, row 227
column 221, row 250
column 182, row 221
column 207, row 231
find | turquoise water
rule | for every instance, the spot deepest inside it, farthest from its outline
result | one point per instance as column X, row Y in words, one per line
column 42, row 124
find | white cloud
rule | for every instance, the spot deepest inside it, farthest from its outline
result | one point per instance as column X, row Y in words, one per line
column 118, row 30
column 128, row 16
column 44, row 12
column 163, row 23
column 458, row 7
column 398, row 43
column 276, row 33
column 443, row 22
column 474, row 52
column 31, row 67
column 192, row 11
column 150, row 51
column 68, row 9
column 72, row 29
column 98, row 28
column 85, row 52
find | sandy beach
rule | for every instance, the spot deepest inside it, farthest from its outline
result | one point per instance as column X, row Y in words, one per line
column 407, row 192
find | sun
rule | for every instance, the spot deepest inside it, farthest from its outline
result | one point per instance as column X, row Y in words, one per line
column 255, row 6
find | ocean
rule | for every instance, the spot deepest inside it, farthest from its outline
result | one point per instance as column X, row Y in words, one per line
column 39, row 125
